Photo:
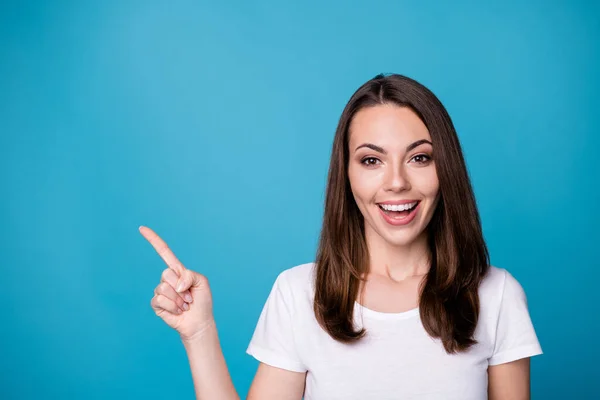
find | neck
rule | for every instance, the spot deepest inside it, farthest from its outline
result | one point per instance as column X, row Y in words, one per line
column 397, row 263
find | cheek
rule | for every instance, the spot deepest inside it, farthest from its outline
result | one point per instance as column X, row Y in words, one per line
column 433, row 189
column 429, row 185
column 363, row 184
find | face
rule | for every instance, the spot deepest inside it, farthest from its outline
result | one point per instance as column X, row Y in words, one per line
column 392, row 173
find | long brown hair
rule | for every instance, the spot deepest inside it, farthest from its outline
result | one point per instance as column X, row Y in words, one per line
column 449, row 301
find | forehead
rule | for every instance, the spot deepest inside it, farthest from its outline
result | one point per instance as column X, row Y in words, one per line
column 387, row 124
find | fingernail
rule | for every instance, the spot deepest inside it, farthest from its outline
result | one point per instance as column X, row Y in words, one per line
column 180, row 286
column 185, row 306
column 188, row 297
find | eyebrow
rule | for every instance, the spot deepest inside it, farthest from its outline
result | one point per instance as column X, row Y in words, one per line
column 382, row 150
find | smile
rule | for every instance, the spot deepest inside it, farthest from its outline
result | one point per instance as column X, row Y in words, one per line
column 399, row 214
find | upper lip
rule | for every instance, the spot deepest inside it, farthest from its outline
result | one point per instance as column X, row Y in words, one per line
column 397, row 202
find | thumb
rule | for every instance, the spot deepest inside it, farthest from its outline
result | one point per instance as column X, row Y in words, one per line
column 188, row 279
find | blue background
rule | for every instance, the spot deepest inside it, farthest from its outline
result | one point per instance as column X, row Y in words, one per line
column 212, row 124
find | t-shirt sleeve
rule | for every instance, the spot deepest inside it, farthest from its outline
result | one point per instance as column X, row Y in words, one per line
column 273, row 340
column 515, row 334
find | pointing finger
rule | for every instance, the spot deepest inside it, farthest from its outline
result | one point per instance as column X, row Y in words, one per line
column 162, row 249
column 169, row 276
column 189, row 279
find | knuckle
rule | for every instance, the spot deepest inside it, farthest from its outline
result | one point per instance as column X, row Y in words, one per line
column 165, row 274
column 185, row 274
column 162, row 288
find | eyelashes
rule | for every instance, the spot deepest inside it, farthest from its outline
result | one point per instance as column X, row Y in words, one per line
column 425, row 158
column 369, row 161
column 421, row 159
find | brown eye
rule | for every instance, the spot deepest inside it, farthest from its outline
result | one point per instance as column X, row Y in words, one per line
column 421, row 159
column 369, row 161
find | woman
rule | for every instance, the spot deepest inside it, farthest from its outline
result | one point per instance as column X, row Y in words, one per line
column 401, row 302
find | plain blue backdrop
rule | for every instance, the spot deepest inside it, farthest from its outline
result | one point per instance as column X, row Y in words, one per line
column 212, row 123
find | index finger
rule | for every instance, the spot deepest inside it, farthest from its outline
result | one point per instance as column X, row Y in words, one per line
column 162, row 249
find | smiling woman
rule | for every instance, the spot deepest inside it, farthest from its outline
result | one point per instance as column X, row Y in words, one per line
column 401, row 301
column 398, row 212
column 397, row 184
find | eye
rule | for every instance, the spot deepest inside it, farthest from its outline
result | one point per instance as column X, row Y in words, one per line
column 369, row 161
column 421, row 158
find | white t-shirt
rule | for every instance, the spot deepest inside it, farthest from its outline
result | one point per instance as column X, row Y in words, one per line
column 396, row 359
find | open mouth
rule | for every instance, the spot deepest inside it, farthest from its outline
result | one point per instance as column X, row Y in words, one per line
column 398, row 211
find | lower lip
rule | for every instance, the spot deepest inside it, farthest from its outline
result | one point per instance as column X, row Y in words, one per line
column 400, row 221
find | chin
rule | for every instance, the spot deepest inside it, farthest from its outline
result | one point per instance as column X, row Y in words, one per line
column 400, row 240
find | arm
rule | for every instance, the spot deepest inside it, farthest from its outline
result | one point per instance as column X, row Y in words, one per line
column 509, row 381
column 515, row 343
column 209, row 370
column 183, row 300
column 213, row 382
column 281, row 374
column 271, row 383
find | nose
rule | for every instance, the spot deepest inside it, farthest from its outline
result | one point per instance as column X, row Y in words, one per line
column 396, row 179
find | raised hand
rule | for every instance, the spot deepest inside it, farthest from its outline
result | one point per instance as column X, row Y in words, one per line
column 182, row 298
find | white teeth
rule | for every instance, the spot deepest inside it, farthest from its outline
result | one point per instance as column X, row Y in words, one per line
column 398, row 207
